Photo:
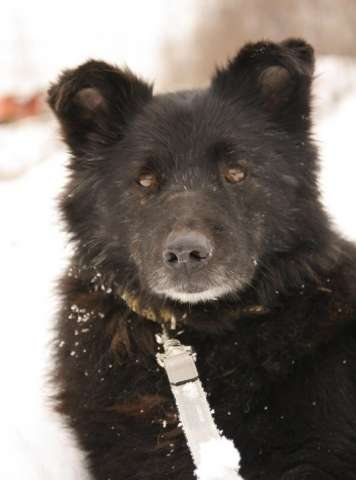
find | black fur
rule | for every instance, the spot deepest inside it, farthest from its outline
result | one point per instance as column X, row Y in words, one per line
column 282, row 383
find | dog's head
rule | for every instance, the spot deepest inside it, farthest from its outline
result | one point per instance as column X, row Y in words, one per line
column 185, row 195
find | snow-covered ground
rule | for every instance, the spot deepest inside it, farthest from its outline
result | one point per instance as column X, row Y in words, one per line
column 33, row 443
column 335, row 102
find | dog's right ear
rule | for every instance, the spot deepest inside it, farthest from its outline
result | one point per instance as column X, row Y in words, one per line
column 94, row 103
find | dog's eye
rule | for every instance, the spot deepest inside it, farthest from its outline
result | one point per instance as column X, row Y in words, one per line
column 147, row 180
column 235, row 174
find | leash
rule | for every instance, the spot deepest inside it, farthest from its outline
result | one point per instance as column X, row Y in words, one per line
column 214, row 456
column 203, row 438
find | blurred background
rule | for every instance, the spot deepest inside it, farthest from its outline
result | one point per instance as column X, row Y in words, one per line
column 176, row 44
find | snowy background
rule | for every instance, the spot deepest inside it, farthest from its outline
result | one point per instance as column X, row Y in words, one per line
column 33, row 49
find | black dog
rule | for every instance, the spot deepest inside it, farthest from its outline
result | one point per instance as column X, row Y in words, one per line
column 201, row 208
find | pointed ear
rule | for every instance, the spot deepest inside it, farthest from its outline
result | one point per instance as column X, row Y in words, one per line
column 273, row 76
column 94, row 103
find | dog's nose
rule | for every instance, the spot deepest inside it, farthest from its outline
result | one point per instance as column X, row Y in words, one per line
column 189, row 250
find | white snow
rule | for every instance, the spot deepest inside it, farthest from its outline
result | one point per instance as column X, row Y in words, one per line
column 335, row 102
column 219, row 460
column 33, row 442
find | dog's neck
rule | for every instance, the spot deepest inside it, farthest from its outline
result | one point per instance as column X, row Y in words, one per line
column 178, row 314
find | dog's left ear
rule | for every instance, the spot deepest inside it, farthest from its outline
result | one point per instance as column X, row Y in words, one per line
column 95, row 102
column 274, row 76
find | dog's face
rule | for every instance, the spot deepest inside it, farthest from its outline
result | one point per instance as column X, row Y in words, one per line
column 186, row 194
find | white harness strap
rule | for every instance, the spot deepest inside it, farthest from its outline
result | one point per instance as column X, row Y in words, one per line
column 195, row 415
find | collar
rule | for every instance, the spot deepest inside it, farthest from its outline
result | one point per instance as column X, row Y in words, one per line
column 179, row 313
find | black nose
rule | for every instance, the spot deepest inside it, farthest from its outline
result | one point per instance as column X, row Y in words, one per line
column 189, row 250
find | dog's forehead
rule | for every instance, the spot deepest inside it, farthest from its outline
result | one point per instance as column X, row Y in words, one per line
column 187, row 120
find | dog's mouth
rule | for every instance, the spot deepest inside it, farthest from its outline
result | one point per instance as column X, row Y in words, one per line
column 194, row 290
column 195, row 295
